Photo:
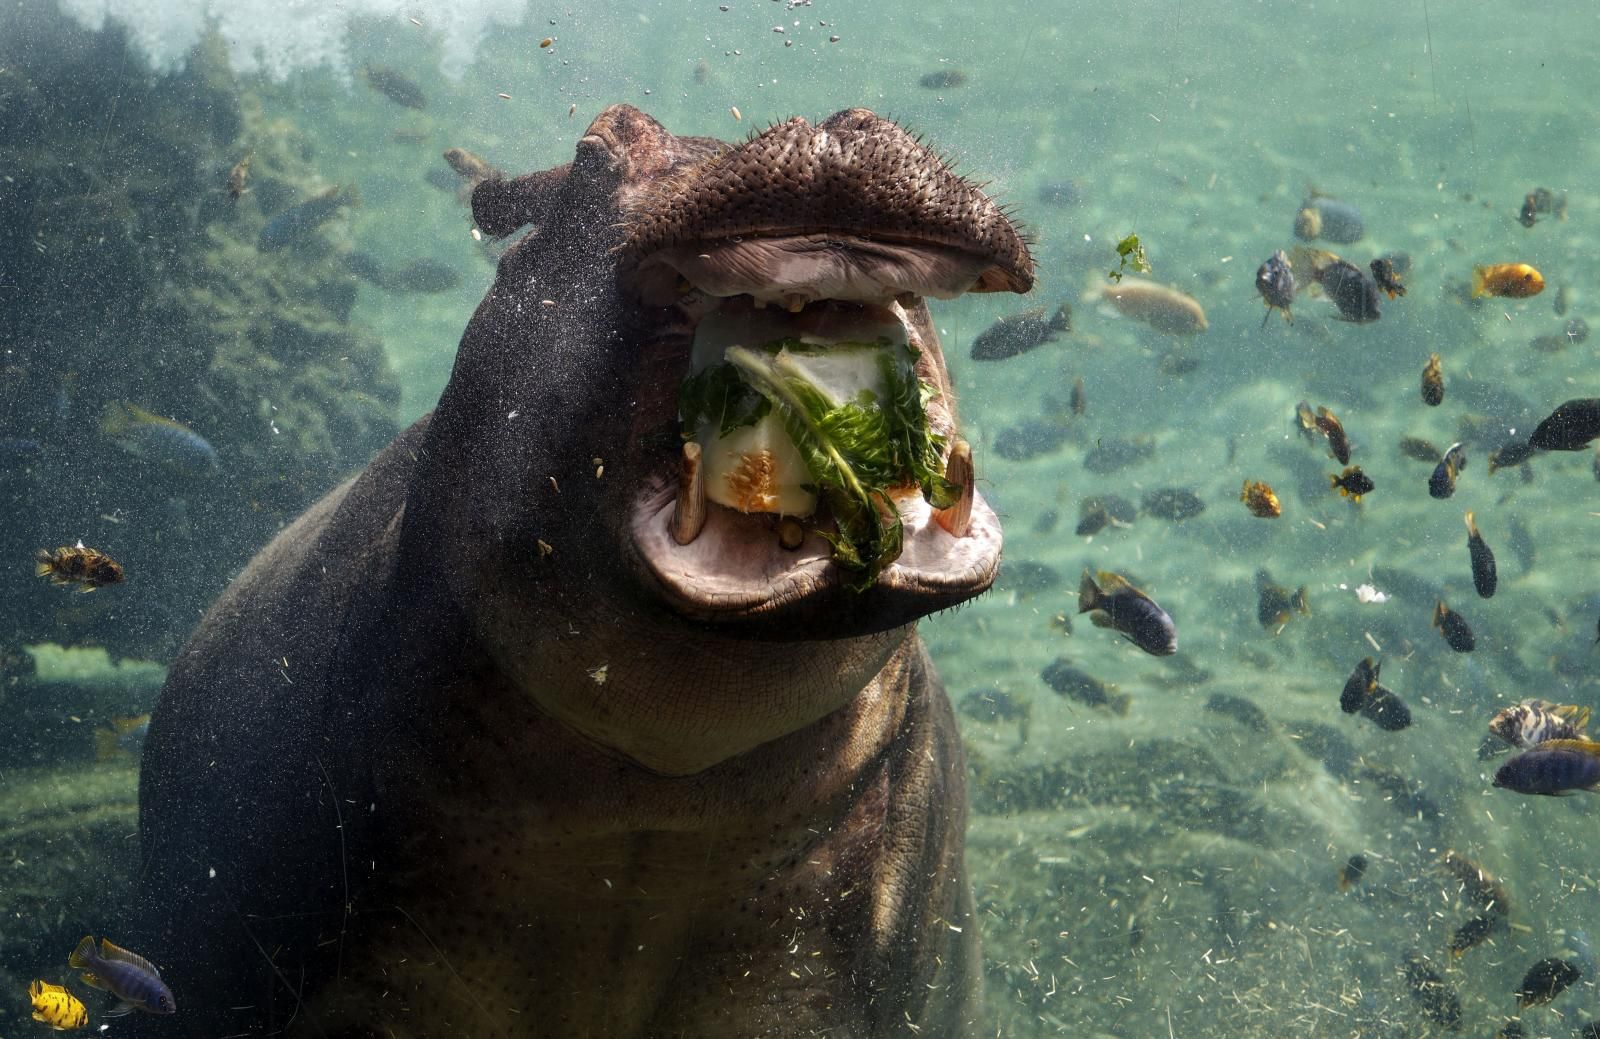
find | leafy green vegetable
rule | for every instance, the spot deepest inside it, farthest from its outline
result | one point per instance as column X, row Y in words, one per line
column 1129, row 252
column 716, row 393
column 855, row 449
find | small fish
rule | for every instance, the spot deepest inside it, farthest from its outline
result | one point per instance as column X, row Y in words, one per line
column 130, row 977
column 1353, row 483
column 1352, row 290
column 171, row 445
column 1473, row 933
column 299, row 221
column 1110, row 454
column 942, row 79
column 1529, row 214
column 1172, row 503
column 1577, row 331
column 56, row 1007
column 1570, row 427
column 1066, row 680
column 1359, row 687
column 78, row 565
column 990, row 705
column 1322, row 217
column 1352, row 872
column 1484, row 578
column 1386, row 710
column 1116, row 604
column 395, row 86
column 1275, row 282
column 1261, row 500
column 1095, row 514
column 1478, row 885
column 239, row 177
column 1016, row 334
column 1512, row 280
column 1433, row 382
column 1305, row 421
column 1328, row 425
column 1442, row 483
column 1163, row 308
column 1455, row 629
column 1532, row 722
column 1510, row 453
column 1541, row 200
column 1027, row 578
column 1388, row 278
column 124, row 736
column 1077, row 401
column 1417, row 449
column 1553, row 773
column 1275, row 604
column 1544, row 981
column 471, row 169
column 1439, row 1000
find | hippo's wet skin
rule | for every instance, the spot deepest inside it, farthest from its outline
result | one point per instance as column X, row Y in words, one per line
column 418, row 775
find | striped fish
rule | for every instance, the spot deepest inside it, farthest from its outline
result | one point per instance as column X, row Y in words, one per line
column 130, row 977
column 1532, row 722
column 56, row 1007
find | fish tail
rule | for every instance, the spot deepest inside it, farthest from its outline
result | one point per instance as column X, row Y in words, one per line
column 1472, row 527
column 1440, row 611
column 44, row 562
column 1088, row 593
column 84, row 955
column 105, row 745
column 118, row 417
column 1299, row 602
column 1579, row 718
column 1119, row 704
column 1480, row 282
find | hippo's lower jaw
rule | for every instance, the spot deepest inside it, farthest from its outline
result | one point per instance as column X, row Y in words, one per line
column 731, row 566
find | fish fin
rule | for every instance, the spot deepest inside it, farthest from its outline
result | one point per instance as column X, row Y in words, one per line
column 1589, row 747
column 127, row 725
column 1101, row 619
column 38, row 1015
column 1579, row 718
column 1480, row 282
column 1440, row 612
column 105, row 745
column 1088, row 593
column 83, row 956
column 116, row 952
column 93, row 980
column 1300, row 602
column 44, row 561
column 117, row 418
column 120, row 1009
column 1111, row 583
column 1119, row 704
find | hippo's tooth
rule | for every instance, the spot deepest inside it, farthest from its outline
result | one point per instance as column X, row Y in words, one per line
column 794, row 302
column 957, row 519
column 689, row 511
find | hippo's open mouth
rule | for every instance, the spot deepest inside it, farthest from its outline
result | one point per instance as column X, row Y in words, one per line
column 822, row 461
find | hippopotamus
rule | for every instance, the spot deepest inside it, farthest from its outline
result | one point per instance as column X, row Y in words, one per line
column 518, row 733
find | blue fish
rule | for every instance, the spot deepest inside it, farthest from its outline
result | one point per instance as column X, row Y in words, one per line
column 130, row 977
column 170, row 444
column 1551, row 772
column 296, row 222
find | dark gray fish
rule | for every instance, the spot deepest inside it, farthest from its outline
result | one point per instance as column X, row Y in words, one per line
column 1550, row 773
column 1418, row 450
column 993, row 705
column 1359, row 686
column 1352, row 872
column 1510, row 453
column 1116, row 604
column 1083, row 687
column 1546, row 979
column 1275, row 604
column 1438, row 999
column 1275, row 281
column 1484, row 578
column 1328, row 219
column 1570, row 427
column 1352, row 290
column 1454, row 628
column 1030, row 439
column 1442, row 483
column 1173, row 503
column 297, row 222
column 1243, row 711
column 1016, row 334
column 1112, row 453
column 942, row 79
column 1095, row 514
column 395, row 86
column 1521, row 543
column 1388, row 277
column 1386, row 710
column 128, row 976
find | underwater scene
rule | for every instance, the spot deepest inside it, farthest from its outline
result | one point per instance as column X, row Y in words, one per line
column 1262, row 330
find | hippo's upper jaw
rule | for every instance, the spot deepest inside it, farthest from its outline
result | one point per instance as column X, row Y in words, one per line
column 823, row 234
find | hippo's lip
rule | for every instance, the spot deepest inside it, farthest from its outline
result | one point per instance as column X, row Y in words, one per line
column 735, row 569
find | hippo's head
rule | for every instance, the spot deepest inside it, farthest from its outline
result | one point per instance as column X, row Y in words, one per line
column 556, row 496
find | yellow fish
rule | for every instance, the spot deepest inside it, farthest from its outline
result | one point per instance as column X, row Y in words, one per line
column 56, row 1007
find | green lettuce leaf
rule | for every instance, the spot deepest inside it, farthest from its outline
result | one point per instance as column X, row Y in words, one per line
column 717, row 394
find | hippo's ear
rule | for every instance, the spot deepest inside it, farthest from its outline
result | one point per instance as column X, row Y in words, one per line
column 622, row 145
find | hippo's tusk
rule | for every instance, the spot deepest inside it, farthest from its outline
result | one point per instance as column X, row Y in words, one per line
column 689, row 511
column 957, row 519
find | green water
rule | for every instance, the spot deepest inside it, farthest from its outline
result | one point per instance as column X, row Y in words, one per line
column 1170, row 871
